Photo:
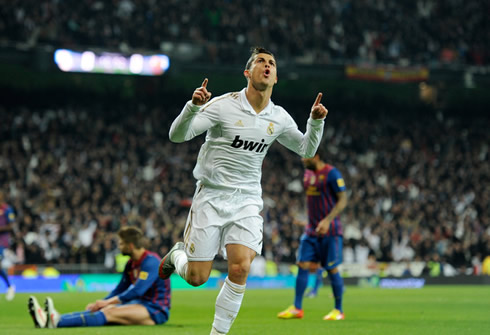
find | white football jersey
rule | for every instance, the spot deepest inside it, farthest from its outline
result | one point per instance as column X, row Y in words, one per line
column 238, row 139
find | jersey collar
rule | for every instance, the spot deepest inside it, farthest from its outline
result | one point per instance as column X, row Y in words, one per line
column 139, row 261
column 246, row 105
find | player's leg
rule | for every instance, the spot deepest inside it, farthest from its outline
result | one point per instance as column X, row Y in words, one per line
column 193, row 259
column 231, row 294
column 37, row 313
column 301, row 284
column 333, row 260
column 9, row 295
column 195, row 273
column 4, row 276
column 306, row 255
column 318, row 273
column 75, row 319
column 133, row 314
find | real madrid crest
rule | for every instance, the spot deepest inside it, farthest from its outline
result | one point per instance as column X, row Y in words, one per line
column 270, row 129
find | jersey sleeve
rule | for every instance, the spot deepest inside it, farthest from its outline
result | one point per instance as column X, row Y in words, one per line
column 148, row 275
column 194, row 120
column 123, row 284
column 305, row 144
column 336, row 181
column 9, row 213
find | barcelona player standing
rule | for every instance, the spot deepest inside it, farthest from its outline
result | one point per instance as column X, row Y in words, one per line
column 322, row 239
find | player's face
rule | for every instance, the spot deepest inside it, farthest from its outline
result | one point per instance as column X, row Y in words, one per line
column 126, row 248
column 263, row 72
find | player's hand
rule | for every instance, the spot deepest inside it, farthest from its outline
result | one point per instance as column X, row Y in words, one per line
column 201, row 95
column 90, row 307
column 318, row 111
column 323, row 226
column 96, row 306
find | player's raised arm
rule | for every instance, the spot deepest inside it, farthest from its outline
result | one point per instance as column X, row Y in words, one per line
column 318, row 111
column 201, row 95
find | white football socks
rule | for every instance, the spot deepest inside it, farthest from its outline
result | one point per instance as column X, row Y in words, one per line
column 215, row 332
column 180, row 262
column 228, row 304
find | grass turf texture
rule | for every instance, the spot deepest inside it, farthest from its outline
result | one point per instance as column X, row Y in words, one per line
column 431, row 310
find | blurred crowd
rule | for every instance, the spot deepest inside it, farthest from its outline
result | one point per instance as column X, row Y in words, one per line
column 316, row 31
column 417, row 184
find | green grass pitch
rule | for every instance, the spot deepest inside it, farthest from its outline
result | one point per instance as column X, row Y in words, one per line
column 432, row 310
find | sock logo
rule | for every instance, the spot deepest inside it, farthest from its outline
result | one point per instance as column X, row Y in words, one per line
column 248, row 145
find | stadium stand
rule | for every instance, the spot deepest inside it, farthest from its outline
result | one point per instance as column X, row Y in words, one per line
column 77, row 170
column 399, row 32
column 76, row 173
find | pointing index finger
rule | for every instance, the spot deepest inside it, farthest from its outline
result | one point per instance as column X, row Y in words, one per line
column 205, row 82
column 318, row 99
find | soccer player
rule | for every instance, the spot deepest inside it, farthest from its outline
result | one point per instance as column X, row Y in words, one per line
column 7, row 219
column 241, row 127
column 140, row 298
column 322, row 239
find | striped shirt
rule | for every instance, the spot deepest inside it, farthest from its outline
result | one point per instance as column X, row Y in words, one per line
column 321, row 193
column 140, row 280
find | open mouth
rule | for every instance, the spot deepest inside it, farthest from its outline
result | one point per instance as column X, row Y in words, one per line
column 267, row 72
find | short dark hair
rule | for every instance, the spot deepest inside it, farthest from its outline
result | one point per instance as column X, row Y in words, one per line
column 253, row 54
column 131, row 235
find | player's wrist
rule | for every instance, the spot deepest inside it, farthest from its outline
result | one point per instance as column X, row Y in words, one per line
column 316, row 122
column 193, row 107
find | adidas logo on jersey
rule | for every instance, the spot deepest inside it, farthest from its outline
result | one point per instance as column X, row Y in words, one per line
column 239, row 123
column 248, row 145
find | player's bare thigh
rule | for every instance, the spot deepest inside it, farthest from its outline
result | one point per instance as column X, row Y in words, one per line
column 239, row 259
column 133, row 314
column 198, row 272
column 311, row 266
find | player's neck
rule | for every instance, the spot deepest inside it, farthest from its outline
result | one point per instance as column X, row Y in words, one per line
column 137, row 253
column 320, row 165
column 258, row 99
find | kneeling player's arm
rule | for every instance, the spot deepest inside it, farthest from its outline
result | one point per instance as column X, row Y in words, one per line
column 121, row 287
column 147, row 276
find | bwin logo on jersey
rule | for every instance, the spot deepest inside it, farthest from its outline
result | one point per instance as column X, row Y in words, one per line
column 248, row 145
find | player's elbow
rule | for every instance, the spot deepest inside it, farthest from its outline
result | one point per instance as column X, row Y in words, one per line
column 175, row 138
column 308, row 155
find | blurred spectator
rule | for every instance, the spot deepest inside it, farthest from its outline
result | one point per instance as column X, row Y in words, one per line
column 319, row 31
column 75, row 174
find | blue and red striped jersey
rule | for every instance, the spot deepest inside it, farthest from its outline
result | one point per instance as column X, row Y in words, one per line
column 140, row 280
column 321, row 195
column 7, row 216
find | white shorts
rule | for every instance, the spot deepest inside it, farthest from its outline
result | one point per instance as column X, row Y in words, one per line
column 221, row 217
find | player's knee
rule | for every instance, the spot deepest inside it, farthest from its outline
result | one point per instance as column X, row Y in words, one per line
column 304, row 265
column 239, row 270
column 196, row 279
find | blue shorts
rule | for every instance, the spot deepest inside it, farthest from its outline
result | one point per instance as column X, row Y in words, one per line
column 326, row 250
column 157, row 314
